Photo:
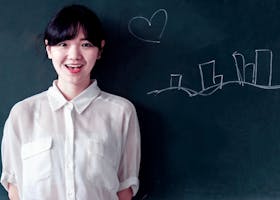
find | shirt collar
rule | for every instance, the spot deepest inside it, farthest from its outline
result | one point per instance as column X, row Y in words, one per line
column 80, row 102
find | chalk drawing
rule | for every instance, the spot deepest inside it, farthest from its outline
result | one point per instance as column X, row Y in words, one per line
column 157, row 13
column 144, row 197
column 257, row 74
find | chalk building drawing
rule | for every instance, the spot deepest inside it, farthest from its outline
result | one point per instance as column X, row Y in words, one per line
column 257, row 74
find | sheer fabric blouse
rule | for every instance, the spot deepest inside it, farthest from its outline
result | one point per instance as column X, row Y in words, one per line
column 87, row 148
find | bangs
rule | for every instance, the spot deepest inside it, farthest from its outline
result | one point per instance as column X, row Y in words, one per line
column 62, row 28
column 58, row 35
column 67, row 24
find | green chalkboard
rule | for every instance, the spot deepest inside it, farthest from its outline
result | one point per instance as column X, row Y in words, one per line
column 204, row 77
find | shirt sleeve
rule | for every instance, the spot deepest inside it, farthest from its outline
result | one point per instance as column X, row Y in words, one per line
column 10, row 155
column 130, row 161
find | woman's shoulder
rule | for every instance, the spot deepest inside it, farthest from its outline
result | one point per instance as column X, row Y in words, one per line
column 29, row 103
column 116, row 100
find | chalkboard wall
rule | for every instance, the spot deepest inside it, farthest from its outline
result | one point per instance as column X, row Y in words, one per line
column 204, row 77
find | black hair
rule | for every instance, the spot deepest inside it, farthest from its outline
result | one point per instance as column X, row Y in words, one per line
column 65, row 25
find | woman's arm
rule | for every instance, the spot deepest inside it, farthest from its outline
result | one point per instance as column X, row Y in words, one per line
column 12, row 192
column 125, row 194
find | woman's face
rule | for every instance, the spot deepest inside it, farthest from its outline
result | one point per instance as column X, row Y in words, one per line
column 73, row 60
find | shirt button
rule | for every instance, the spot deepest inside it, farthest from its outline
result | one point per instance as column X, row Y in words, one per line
column 70, row 106
column 69, row 165
column 71, row 194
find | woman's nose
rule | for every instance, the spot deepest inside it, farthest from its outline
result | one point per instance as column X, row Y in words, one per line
column 74, row 53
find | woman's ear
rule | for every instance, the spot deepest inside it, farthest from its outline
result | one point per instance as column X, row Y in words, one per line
column 102, row 44
column 101, row 49
column 48, row 49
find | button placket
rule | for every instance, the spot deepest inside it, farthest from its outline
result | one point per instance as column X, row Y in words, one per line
column 69, row 152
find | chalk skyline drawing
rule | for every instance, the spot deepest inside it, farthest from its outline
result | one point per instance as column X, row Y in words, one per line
column 257, row 74
column 136, row 19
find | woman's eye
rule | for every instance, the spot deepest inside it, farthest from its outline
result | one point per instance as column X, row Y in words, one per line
column 62, row 44
column 87, row 44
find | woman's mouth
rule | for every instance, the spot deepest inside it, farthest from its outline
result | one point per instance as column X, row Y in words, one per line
column 74, row 68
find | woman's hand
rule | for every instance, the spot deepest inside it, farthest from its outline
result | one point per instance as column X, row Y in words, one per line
column 12, row 192
column 125, row 194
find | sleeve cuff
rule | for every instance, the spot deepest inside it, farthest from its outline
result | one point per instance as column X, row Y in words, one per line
column 7, row 178
column 132, row 182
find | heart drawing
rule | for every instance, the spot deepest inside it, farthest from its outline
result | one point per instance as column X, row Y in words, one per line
column 143, row 21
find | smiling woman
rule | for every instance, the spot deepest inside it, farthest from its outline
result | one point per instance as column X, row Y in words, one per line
column 73, row 61
column 81, row 143
column 74, row 43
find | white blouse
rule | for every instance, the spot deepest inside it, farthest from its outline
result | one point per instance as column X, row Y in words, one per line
column 83, row 149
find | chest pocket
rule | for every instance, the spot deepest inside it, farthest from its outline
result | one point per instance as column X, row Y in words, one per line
column 102, row 166
column 36, row 160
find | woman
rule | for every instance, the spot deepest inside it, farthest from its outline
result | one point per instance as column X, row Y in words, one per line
column 72, row 141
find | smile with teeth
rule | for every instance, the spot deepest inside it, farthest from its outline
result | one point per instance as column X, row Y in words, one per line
column 74, row 68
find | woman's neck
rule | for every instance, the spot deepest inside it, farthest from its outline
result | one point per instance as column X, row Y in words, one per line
column 70, row 90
